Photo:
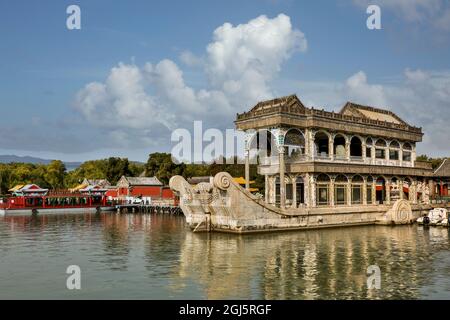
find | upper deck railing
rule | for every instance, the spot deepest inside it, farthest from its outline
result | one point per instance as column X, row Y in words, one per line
column 274, row 160
column 327, row 115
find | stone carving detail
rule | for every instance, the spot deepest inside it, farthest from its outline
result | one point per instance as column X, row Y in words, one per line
column 395, row 192
column 425, row 191
column 203, row 187
column 401, row 213
column 312, row 183
column 222, row 181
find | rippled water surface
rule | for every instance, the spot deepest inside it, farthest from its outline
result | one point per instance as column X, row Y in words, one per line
column 156, row 257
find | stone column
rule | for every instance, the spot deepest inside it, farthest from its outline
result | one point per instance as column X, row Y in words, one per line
column 374, row 191
column 400, row 156
column 330, row 147
column 388, row 192
column 364, row 153
column 312, row 146
column 413, row 155
column 294, row 192
column 247, row 169
column 266, row 188
column 432, row 187
column 373, row 153
column 307, row 143
column 400, row 189
column 347, row 149
column 332, row 191
column 282, row 181
column 312, row 190
column 349, row 192
column 274, row 190
column 364, row 191
column 413, row 192
column 306, row 186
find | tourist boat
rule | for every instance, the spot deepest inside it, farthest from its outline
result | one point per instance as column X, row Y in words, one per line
column 435, row 217
column 321, row 169
column 31, row 199
column 424, row 220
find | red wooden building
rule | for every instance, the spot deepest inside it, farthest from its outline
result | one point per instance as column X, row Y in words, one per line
column 143, row 187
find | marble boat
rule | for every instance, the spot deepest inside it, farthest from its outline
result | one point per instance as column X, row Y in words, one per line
column 322, row 169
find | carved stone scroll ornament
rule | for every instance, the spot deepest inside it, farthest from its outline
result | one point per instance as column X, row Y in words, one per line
column 222, row 180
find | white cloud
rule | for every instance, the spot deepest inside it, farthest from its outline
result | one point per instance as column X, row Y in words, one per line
column 190, row 59
column 240, row 63
column 243, row 59
column 121, row 101
column 358, row 90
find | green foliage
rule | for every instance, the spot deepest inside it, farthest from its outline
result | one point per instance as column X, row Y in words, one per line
column 115, row 168
column 55, row 176
column 435, row 162
column 161, row 165
column 112, row 169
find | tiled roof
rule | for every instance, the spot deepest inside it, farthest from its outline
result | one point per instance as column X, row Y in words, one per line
column 97, row 182
column 143, row 181
column 291, row 100
column 443, row 170
column 357, row 110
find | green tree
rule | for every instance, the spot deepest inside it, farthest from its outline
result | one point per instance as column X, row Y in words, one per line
column 117, row 167
column 55, row 174
column 5, row 177
column 161, row 165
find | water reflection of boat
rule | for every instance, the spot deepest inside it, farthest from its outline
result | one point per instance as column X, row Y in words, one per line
column 318, row 264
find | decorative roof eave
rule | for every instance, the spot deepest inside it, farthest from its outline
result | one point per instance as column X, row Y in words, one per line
column 290, row 104
column 277, row 117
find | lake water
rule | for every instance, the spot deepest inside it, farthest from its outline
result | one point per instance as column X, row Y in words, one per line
column 156, row 257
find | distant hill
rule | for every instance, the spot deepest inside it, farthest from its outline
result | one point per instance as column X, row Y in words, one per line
column 27, row 159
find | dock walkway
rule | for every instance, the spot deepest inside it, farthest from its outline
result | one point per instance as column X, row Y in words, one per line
column 148, row 208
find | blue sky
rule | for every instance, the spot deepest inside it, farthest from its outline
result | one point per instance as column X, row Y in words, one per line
column 328, row 57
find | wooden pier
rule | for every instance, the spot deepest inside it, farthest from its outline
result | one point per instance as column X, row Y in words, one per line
column 148, row 208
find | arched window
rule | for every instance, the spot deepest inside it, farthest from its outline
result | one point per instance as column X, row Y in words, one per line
column 394, row 148
column 407, row 152
column 339, row 147
column 380, row 149
column 295, row 144
column 263, row 144
column 321, row 140
column 357, row 185
column 340, row 190
column 380, row 191
column 300, row 190
column 289, row 191
column 369, row 143
column 356, row 147
column 322, row 190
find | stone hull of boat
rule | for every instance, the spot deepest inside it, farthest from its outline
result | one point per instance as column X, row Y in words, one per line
column 224, row 206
